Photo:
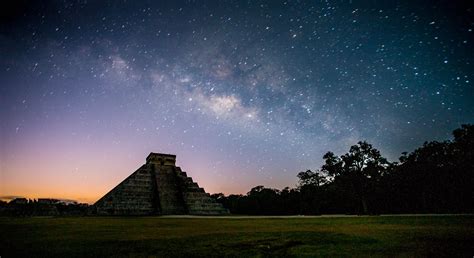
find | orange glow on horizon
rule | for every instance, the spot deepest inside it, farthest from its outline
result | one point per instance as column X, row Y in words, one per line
column 88, row 183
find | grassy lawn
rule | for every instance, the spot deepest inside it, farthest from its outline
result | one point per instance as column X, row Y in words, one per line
column 414, row 236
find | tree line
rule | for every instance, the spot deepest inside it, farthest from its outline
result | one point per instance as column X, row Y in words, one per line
column 434, row 178
column 42, row 207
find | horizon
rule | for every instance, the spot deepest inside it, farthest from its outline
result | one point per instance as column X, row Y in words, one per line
column 92, row 200
column 244, row 94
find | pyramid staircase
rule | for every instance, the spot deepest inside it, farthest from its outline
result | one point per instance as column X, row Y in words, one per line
column 198, row 202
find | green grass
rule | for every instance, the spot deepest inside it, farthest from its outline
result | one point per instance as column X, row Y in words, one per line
column 414, row 236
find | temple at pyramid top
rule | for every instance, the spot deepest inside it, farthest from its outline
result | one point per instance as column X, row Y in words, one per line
column 158, row 187
column 161, row 159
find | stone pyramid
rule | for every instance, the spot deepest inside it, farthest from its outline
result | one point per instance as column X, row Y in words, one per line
column 158, row 187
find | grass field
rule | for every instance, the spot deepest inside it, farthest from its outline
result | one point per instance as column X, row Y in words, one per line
column 412, row 236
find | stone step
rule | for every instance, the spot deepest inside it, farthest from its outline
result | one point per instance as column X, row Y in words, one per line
column 196, row 194
column 202, row 205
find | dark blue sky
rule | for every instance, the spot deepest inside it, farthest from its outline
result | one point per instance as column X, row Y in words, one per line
column 244, row 92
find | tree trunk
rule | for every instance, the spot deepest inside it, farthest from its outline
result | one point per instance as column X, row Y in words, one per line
column 364, row 206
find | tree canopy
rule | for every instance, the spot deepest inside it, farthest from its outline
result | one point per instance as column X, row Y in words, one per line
column 434, row 178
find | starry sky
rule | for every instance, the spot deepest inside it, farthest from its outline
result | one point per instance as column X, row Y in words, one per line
column 245, row 93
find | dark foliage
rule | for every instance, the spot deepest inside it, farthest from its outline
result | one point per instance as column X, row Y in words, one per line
column 22, row 207
column 435, row 178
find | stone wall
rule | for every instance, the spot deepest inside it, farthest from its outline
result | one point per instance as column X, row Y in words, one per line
column 134, row 196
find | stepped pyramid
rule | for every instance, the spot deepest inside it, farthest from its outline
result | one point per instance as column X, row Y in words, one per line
column 158, row 187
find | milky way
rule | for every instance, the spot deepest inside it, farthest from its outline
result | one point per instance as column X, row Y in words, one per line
column 244, row 93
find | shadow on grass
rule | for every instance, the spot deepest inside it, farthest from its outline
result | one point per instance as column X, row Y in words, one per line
column 260, row 244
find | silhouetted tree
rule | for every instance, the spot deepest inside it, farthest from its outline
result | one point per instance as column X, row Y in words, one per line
column 463, row 149
column 310, row 178
column 438, row 176
column 310, row 186
column 357, row 172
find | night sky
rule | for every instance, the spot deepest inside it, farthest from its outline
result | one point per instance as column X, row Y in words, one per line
column 245, row 93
